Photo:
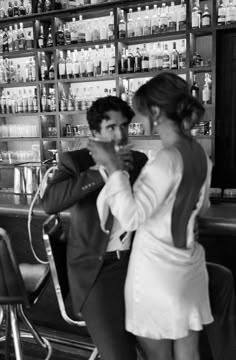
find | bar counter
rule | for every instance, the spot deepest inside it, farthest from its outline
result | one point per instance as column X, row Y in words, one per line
column 220, row 219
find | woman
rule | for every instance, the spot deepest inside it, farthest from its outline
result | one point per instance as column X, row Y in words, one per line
column 166, row 291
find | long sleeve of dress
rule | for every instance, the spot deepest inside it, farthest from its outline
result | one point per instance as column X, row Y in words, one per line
column 150, row 191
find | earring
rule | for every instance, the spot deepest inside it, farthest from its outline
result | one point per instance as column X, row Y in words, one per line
column 155, row 123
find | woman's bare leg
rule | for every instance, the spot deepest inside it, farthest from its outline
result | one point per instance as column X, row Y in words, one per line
column 155, row 349
column 187, row 348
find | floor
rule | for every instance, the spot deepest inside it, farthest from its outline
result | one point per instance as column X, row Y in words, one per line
column 34, row 352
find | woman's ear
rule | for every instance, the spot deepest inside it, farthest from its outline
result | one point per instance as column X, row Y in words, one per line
column 155, row 111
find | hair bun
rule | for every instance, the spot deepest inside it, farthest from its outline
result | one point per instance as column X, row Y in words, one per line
column 189, row 110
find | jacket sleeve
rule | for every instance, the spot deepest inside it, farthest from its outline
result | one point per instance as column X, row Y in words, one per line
column 69, row 185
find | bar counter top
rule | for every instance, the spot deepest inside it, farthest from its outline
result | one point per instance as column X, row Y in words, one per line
column 220, row 217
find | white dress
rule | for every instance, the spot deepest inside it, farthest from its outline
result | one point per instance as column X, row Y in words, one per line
column 166, row 290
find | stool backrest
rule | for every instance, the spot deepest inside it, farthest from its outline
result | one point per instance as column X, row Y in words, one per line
column 55, row 245
column 12, row 288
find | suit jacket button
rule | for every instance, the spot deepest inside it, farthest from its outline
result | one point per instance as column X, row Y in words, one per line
column 100, row 258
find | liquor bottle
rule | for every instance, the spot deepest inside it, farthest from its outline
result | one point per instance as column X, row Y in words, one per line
column 22, row 9
column 221, row 13
column 230, row 13
column 47, row 5
column 19, row 103
column 123, row 62
column 130, row 62
column 70, row 101
column 155, row 21
column 24, row 102
column 103, row 30
column 10, row 9
column 122, row 25
column 5, row 40
column 137, row 61
column 29, row 7
column 63, row 106
column 35, row 101
column 105, row 61
column 12, row 72
column 61, row 66
column 52, row 100
column 29, row 39
column 196, row 15
column 111, row 30
column 206, row 91
column 97, row 62
column 44, row 102
column 145, row 59
column 57, row 5
column 10, row 39
column 88, row 31
column 75, row 64
column 112, row 61
column 73, row 32
column 40, row 7
column 138, row 30
column 1, row 41
column 51, row 71
column 194, row 88
column 43, row 67
column 32, row 72
column 172, row 17
column 81, row 30
column 30, row 101
column 49, row 41
column 60, row 37
column 2, row 10
column 182, row 55
column 21, row 37
column 163, row 18
column 166, row 57
column 41, row 38
column 90, row 63
column 69, row 68
column 182, row 16
column 130, row 24
column 174, row 57
column 18, row 74
column 206, row 17
column 15, row 38
column 96, row 32
column 15, row 9
column 146, row 22
column 152, row 59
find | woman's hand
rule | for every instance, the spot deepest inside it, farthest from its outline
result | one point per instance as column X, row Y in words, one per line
column 104, row 154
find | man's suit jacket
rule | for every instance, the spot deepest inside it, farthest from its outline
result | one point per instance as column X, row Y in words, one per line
column 75, row 186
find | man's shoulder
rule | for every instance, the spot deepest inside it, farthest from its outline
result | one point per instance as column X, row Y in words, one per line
column 76, row 155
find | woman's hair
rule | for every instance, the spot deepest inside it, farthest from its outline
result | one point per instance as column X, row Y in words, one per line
column 171, row 94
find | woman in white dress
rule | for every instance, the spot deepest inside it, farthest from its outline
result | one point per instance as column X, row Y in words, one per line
column 166, row 291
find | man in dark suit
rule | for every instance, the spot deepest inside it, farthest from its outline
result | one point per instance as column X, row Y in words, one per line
column 97, row 262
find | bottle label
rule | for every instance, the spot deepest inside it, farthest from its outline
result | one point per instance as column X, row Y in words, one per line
column 206, row 21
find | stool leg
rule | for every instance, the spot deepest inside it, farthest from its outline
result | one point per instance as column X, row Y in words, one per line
column 94, row 354
column 1, row 314
column 41, row 340
column 7, row 332
column 16, row 333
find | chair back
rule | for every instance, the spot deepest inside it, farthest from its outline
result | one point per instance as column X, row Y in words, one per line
column 55, row 245
column 12, row 288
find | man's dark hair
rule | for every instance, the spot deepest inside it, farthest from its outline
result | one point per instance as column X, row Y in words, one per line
column 98, row 111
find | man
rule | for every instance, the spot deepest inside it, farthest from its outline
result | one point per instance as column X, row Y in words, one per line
column 97, row 262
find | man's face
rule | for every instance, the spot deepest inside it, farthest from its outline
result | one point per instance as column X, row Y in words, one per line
column 115, row 129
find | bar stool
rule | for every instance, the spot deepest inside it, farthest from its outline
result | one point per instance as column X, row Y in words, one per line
column 20, row 288
column 55, row 245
